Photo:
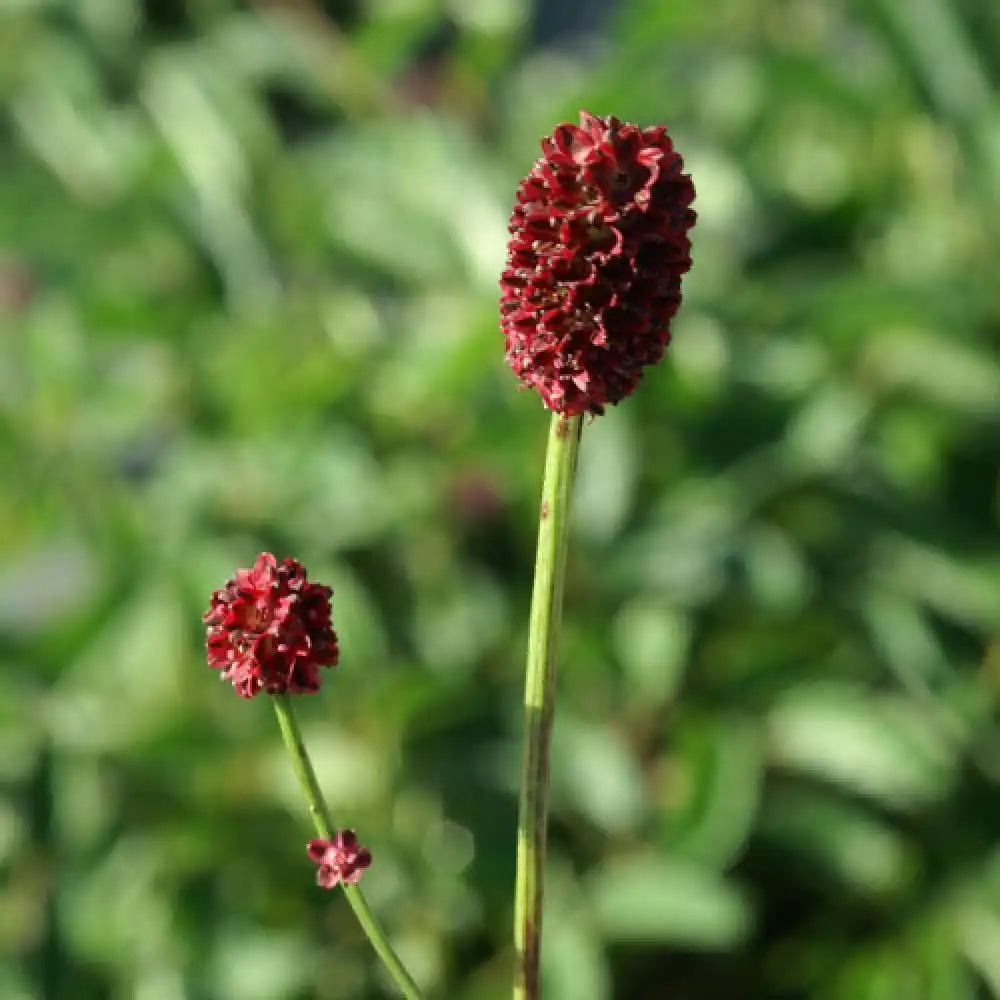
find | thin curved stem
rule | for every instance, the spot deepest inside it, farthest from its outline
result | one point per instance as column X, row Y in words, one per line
column 539, row 698
column 303, row 768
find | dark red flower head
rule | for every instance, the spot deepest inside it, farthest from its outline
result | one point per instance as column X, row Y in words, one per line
column 270, row 629
column 340, row 860
column 599, row 242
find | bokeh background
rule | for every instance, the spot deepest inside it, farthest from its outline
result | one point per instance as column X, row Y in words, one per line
column 248, row 266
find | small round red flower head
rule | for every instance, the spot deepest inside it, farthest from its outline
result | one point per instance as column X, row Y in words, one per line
column 599, row 242
column 342, row 859
column 270, row 629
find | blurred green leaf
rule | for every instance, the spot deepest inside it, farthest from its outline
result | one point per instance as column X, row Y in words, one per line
column 656, row 900
column 881, row 748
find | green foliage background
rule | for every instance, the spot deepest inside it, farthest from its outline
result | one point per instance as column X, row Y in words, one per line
column 248, row 264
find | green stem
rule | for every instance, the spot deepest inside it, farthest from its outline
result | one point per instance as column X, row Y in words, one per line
column 539, row 698
column 321, row 821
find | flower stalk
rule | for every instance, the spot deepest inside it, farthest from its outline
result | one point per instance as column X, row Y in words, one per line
column 302, row 766
column 539, row 697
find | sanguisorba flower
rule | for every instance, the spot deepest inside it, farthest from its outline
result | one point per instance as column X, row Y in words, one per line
column 340, row 860
column 599, row 243
column 270, row 629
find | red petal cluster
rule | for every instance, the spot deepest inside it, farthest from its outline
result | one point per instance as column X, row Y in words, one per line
column 599, row 242
column 270, row 629
column 340, row 860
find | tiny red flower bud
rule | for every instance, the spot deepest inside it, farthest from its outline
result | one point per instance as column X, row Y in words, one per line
column 599, row 243
column 340, row 860
column 270, row 629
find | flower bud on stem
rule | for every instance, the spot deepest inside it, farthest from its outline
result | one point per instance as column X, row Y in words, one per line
column 303, row 768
